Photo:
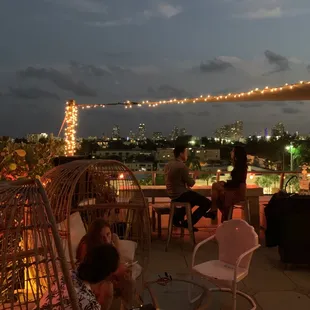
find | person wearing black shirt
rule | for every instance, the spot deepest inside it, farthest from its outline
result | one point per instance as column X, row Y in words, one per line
column 238, row 177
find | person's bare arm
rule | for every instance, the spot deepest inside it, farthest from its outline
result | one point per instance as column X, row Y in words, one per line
column 190, row 182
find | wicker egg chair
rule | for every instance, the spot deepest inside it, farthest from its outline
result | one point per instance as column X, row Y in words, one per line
column 32, row 259
column 84, row 190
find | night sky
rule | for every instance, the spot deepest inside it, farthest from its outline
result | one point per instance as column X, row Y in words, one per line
column 96, row 51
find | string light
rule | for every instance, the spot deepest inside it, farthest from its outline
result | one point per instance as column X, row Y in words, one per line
column 71, row 116
column 265, row 94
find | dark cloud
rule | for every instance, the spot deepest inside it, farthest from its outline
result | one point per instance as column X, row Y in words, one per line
column 250, row 104
column 201, row 113
column 215, row 65
column 290, row 110
column 167, row 91
column 32, row 93
column 260, row 104
column 308, row 68
column 219, row 105
column 279, row 62
column 89, row 70
column 61, row 80
column 119, row 70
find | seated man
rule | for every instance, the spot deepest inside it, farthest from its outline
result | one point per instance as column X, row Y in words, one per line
column 179, row 183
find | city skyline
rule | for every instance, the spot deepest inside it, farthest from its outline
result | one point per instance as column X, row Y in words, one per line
column 235, row 131
column 99, row 51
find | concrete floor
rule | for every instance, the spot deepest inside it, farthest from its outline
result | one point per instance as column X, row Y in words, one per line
column 269, row 283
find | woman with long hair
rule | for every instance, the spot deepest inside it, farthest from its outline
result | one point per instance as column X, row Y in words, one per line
column 99, row 233
column 238, row 177
column 92, row 282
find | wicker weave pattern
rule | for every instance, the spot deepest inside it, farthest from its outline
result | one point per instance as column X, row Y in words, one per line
column 99, row 189
column 31, row 256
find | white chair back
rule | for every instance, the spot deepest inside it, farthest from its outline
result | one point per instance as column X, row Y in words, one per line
column 235, row 237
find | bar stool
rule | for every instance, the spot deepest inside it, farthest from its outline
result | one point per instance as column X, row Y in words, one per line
column 243, row 205
column 159, row 211
column 188, row 210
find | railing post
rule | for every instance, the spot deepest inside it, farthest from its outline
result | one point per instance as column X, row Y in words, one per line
column 153, row 177
column 282, row 180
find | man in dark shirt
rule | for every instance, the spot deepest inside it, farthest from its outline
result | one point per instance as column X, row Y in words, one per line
column 179, row 184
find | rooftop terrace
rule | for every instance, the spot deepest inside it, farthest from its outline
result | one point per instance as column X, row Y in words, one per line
column 269, row 283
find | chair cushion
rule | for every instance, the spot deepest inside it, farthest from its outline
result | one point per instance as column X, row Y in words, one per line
column 77, row 232
column 127, row 249
column 218, row 270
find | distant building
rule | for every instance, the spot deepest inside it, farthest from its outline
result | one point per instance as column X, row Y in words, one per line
column 230, row 132
column 141, row 133
column 137, row 166
column 158, row 136
column 132, row 139
column 116, row 133
column 175, row 133
column 204, row 155
column 123, row 154
column 278, row 130
column 182, row 132
column 165, row 154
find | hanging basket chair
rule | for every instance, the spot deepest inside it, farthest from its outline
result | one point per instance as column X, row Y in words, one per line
column 32, row 259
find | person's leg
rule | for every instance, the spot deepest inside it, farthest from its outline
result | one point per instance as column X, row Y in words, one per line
column 195, row 199
column 216, row 197
column 217, row 192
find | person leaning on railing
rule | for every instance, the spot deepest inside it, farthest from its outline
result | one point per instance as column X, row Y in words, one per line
column 221, row 189
column 179, row 183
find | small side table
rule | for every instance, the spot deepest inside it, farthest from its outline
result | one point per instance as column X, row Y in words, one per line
column 171, row 293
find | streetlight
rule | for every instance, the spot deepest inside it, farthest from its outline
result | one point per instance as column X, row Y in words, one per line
column 290, row 148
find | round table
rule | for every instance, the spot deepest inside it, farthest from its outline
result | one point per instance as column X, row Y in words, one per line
column 168, row 293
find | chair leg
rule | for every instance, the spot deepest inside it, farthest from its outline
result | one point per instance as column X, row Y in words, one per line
column 182, row 232
column 170, row 224
column 153, row 221
column 228, row 290
column 159, row 225
column 247, row 206
column 190, row 224
column 234, row 296
column 230, row 213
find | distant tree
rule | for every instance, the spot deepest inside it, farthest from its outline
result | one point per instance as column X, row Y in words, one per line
column 146, row 181
column 148, row 145
column 208, row 177
column 264, row 181
column 43, row 140
column 183, row 140
column 20, row 140
column 193, row 162
column 88, row 147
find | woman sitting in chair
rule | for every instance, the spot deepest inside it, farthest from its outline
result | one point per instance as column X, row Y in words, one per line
column 220, row 190
column 99, row 233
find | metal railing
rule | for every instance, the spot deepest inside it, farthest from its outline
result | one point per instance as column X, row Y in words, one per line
column 157, row 177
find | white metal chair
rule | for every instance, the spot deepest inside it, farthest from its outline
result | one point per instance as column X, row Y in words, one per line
column 237, row 241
